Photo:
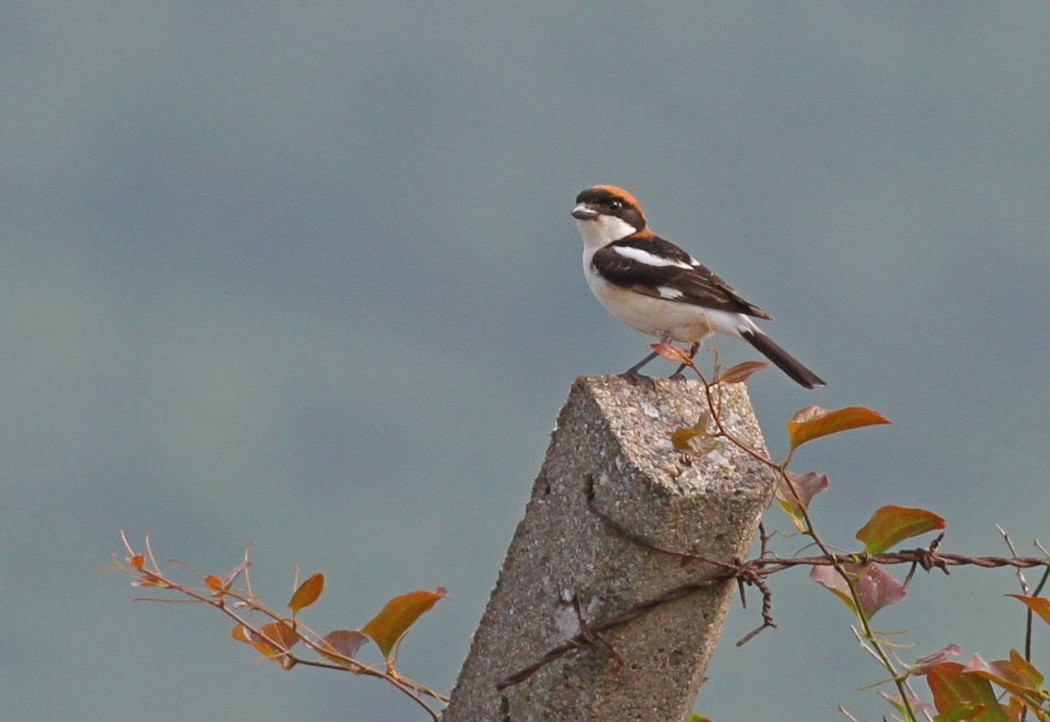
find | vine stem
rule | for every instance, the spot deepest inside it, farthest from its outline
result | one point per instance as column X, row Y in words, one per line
column 899, row 678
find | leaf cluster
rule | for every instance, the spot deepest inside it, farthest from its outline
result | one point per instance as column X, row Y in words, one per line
column 999, row 691
column 960, row 692
column 277, row 636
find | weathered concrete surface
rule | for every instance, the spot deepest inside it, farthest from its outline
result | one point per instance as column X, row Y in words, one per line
column 613, row 441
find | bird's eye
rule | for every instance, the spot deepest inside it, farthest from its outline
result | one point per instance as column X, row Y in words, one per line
column 616, row 205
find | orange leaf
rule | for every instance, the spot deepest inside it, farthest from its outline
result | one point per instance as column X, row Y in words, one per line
column 693, row 440
column 242, row 634
column 1039, row 605
column 672, row 353
column 276, row 638
column 813, row 422
column 962, row 695
column 280, row 633
column 892, row 524
column 742, row 371
column 148, row 579
column 214, row 583
column 390, row 625
column 307, row 593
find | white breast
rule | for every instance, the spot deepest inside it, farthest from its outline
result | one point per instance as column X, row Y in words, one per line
column 659, row 317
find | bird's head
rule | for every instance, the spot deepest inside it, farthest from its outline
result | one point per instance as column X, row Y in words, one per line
column 607, row 214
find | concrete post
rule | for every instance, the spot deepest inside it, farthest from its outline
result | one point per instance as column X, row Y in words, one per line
column 612, row 450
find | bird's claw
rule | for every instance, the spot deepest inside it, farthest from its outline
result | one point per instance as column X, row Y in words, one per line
column 634, row 378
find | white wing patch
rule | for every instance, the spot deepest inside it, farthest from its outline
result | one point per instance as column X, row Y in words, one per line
column 649, row 259
column 672, row 294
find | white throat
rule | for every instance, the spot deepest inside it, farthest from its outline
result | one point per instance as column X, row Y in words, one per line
column 603, row 230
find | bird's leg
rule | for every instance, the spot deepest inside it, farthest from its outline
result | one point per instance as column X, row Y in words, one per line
column 632, row 373
column 692, row 354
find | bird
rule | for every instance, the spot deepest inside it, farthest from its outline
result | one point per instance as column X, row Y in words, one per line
column 657, row 288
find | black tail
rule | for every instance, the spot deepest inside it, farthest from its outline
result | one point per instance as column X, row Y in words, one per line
column 785, row 361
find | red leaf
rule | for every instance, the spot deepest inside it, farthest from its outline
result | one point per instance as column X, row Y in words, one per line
column 813, row 422
column 798, row 495
column 1024, row 671
column 672, row 353
column 892, row 524
column 961, row 695
column 390, row 625
column 742, row 372
column 923, row 664
column 1016, row 675
column 1039, row 605
column 342, row 643
column 876, row 588
column 827, row 577
column 307, row 593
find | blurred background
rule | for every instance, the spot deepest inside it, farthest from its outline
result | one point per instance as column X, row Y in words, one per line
column 304, row 276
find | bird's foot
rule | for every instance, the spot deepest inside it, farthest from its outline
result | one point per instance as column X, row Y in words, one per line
column 634, row 378
column 679, row 374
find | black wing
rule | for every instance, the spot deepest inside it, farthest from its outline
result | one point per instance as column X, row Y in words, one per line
column 674, row 275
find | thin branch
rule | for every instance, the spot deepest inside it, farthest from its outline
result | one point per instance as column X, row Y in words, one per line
column 148, row 573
